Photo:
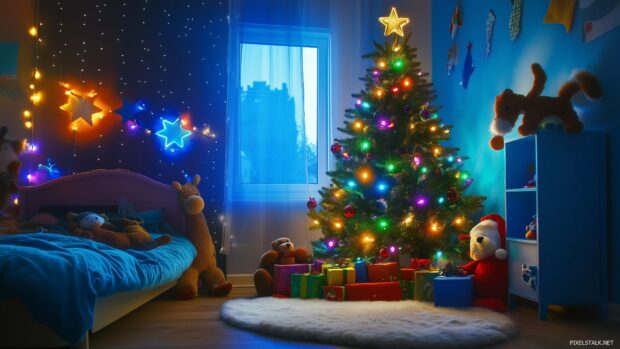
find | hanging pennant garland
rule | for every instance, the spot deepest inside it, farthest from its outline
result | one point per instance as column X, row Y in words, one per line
column 489, row 34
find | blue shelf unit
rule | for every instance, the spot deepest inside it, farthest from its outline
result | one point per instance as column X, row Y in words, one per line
column 567, row 262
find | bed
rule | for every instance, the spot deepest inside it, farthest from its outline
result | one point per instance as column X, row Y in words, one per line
column 103, row 284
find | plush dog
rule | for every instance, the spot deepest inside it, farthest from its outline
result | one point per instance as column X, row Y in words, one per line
column 535, row 108
column 282, row 251
column 487, row 248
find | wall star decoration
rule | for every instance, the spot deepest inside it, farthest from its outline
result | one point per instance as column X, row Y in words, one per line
column 173, row 133
column 80, row 107
column 129, row 110
column 393, row 23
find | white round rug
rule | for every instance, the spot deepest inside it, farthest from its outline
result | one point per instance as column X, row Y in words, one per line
column 380, row 324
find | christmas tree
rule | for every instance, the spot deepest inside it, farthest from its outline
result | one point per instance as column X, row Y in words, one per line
column 396, row 188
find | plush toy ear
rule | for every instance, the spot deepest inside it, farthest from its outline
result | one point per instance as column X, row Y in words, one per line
column 508, row 91
column 176, row 185
column 196, row 180
column 102, row 215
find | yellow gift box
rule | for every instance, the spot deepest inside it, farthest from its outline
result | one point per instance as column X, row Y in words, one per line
column 340, row 276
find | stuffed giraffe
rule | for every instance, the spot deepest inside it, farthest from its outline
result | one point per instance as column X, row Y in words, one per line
column 204, row 265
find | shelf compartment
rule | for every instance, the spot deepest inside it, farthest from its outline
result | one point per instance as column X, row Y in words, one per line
column 520, row 161
column 520, row 207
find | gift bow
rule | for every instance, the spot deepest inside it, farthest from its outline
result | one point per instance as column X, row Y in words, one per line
column 419, row 263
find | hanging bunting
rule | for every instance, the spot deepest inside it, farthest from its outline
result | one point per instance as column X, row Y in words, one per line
column 468, row 67
column 457, row 20
column 515, row 18
column 600, row 17
column 452, row 57
column 561, row 12
column 489, row 34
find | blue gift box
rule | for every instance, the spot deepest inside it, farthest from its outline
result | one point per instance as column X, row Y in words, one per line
column 454, row 291
column 361, row 272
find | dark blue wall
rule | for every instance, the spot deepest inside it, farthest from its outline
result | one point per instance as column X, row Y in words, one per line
column 172, row 55
column 559, row 53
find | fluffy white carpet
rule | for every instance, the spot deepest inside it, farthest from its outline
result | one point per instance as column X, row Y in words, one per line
column 406, row 324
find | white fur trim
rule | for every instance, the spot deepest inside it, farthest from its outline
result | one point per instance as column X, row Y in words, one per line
column 500, row 127
column 500, row 253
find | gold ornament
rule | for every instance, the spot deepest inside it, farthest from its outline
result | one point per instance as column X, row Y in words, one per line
column 393, row 23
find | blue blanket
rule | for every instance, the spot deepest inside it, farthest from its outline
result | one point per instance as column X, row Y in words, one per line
column 59, row 277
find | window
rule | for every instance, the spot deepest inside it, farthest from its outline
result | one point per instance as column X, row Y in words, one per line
column 281, row 112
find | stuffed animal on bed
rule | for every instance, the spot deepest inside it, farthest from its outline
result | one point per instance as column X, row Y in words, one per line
column 9, row 166
column 487, row 248
column 282, row 251
column 96, row 227
column 204, row 266
column 535, row 108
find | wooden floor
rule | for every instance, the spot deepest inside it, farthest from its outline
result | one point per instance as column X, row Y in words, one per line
column 168, row 323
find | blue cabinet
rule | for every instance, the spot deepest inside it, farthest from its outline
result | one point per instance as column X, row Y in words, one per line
column 567, row 262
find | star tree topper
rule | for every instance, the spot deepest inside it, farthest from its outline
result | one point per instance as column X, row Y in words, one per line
column 80, row 107
column 393, row 23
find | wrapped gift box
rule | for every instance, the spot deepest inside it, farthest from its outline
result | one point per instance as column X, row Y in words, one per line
column 383, row 272
column 406, row 289
column 423, row 285
column 282, row 276
column 327, row 266
column 361, row 271
column 317, row 266
column 340, row 276
column 306, row 286
column 334, row 293
column 454, row 291
column 374, row 291
column 407, row 273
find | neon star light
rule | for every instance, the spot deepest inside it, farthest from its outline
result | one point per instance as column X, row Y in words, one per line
column 393, row 23
column 81, row 107
column 173, row 133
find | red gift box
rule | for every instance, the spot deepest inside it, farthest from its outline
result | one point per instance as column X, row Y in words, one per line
column 334, row 293
column 383, row 272
column 407, row 274
column 374, row 291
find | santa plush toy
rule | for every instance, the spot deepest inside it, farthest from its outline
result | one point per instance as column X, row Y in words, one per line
column 487, row 248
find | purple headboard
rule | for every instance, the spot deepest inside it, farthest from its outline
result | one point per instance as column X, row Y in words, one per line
column 101, row 188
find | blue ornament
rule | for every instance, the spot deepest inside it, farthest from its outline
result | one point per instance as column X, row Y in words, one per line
column 173, row 133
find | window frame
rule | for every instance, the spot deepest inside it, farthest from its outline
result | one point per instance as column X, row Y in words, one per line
column 281, row 35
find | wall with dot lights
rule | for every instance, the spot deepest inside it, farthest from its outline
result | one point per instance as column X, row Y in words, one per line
column 128, row 84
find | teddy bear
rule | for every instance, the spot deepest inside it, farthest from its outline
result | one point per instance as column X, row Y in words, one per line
column 535, row 108
column 9, row 166
column 487, row 248
column 96, row 227
column 204, row 265
column 282, row 251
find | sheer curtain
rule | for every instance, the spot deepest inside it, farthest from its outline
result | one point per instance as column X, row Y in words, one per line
column 293, row 65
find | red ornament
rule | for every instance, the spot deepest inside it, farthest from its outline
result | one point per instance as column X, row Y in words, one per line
column 311, row 203
column 349, row 211
column 384, row 253
column 453, row 195
column 336, row 148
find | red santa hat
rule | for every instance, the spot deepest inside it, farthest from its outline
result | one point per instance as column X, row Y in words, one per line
column 497, row 223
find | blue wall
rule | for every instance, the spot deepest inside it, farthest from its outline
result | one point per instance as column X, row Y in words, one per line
column 559, row 53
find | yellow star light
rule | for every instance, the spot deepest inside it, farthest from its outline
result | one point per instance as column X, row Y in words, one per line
column 393, row 23
column 80, row 108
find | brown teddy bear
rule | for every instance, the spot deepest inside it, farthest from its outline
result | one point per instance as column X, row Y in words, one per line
column 96, row 227
column 204, row 265
column 282, row 251
column 534, row 107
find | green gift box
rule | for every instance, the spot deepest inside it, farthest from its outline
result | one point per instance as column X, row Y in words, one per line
column 340, row 276
column 407, row 288
column 306, row 286
column 423, row 287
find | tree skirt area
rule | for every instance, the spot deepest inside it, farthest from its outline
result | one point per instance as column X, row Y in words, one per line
column 405, row 324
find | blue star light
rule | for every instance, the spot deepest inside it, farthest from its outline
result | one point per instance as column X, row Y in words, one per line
column 129, row 110
column 173, row 133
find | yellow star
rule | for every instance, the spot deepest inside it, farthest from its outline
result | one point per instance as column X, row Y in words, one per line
column 393, row 23
column 80, row 107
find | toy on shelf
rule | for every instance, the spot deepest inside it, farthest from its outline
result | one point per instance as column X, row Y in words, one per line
column 489, row 266
column 528, row 275
column 531, row 229
column 282, row 253
column 535, row 108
